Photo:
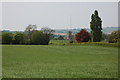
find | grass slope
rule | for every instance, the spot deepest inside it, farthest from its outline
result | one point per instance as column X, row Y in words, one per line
column 38, row 61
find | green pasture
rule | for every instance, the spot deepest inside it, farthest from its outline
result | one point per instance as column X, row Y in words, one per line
column 67, row 43
column 59, row 41
column 47, row 61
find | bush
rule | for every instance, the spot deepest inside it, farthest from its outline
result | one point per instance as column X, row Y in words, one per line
column 82, row 36
column 71, row 41
column 114, row 37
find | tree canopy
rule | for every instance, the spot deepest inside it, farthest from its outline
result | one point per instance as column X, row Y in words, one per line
column 30, row 36
column 19, row 38
column 7, row 38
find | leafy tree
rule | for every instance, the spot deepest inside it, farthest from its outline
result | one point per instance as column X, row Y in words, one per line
column 115, row 37
column 29, row 30
column 40, row 38
column 7, row 38
column 96, row 27
column 82, row 36
column 36, row 37
column 48, row 31
column 19, row 38
column 45, row 39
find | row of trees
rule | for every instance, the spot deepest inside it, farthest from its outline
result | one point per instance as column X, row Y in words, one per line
column 30, row 36
column 84, row 36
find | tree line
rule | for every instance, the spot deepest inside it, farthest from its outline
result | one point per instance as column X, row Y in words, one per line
column 30, row 36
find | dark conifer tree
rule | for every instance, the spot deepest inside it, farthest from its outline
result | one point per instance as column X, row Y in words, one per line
column 96, row 27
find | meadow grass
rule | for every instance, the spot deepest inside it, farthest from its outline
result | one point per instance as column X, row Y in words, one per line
column 66, row 43
column 46, row 61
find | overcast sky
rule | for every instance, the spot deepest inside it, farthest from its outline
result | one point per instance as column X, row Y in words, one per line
column 56, row 15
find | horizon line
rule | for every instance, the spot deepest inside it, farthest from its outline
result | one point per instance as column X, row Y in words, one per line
column 56, row 29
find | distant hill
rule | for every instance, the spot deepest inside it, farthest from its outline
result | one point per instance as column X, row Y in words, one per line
column 10, row 31
column 106, row 30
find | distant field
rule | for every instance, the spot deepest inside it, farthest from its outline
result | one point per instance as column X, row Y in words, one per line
column 59, row 41
column 38, row 61
column 66, row 43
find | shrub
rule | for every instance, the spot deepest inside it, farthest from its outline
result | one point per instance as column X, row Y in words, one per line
column 114, row 37
column 71, row 41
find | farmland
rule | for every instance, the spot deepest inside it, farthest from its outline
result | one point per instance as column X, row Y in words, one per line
column 48, row 61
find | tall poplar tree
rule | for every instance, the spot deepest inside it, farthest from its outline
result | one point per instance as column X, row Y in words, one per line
column 96, row 27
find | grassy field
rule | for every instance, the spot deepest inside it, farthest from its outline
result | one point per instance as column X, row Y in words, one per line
column 38, row 61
